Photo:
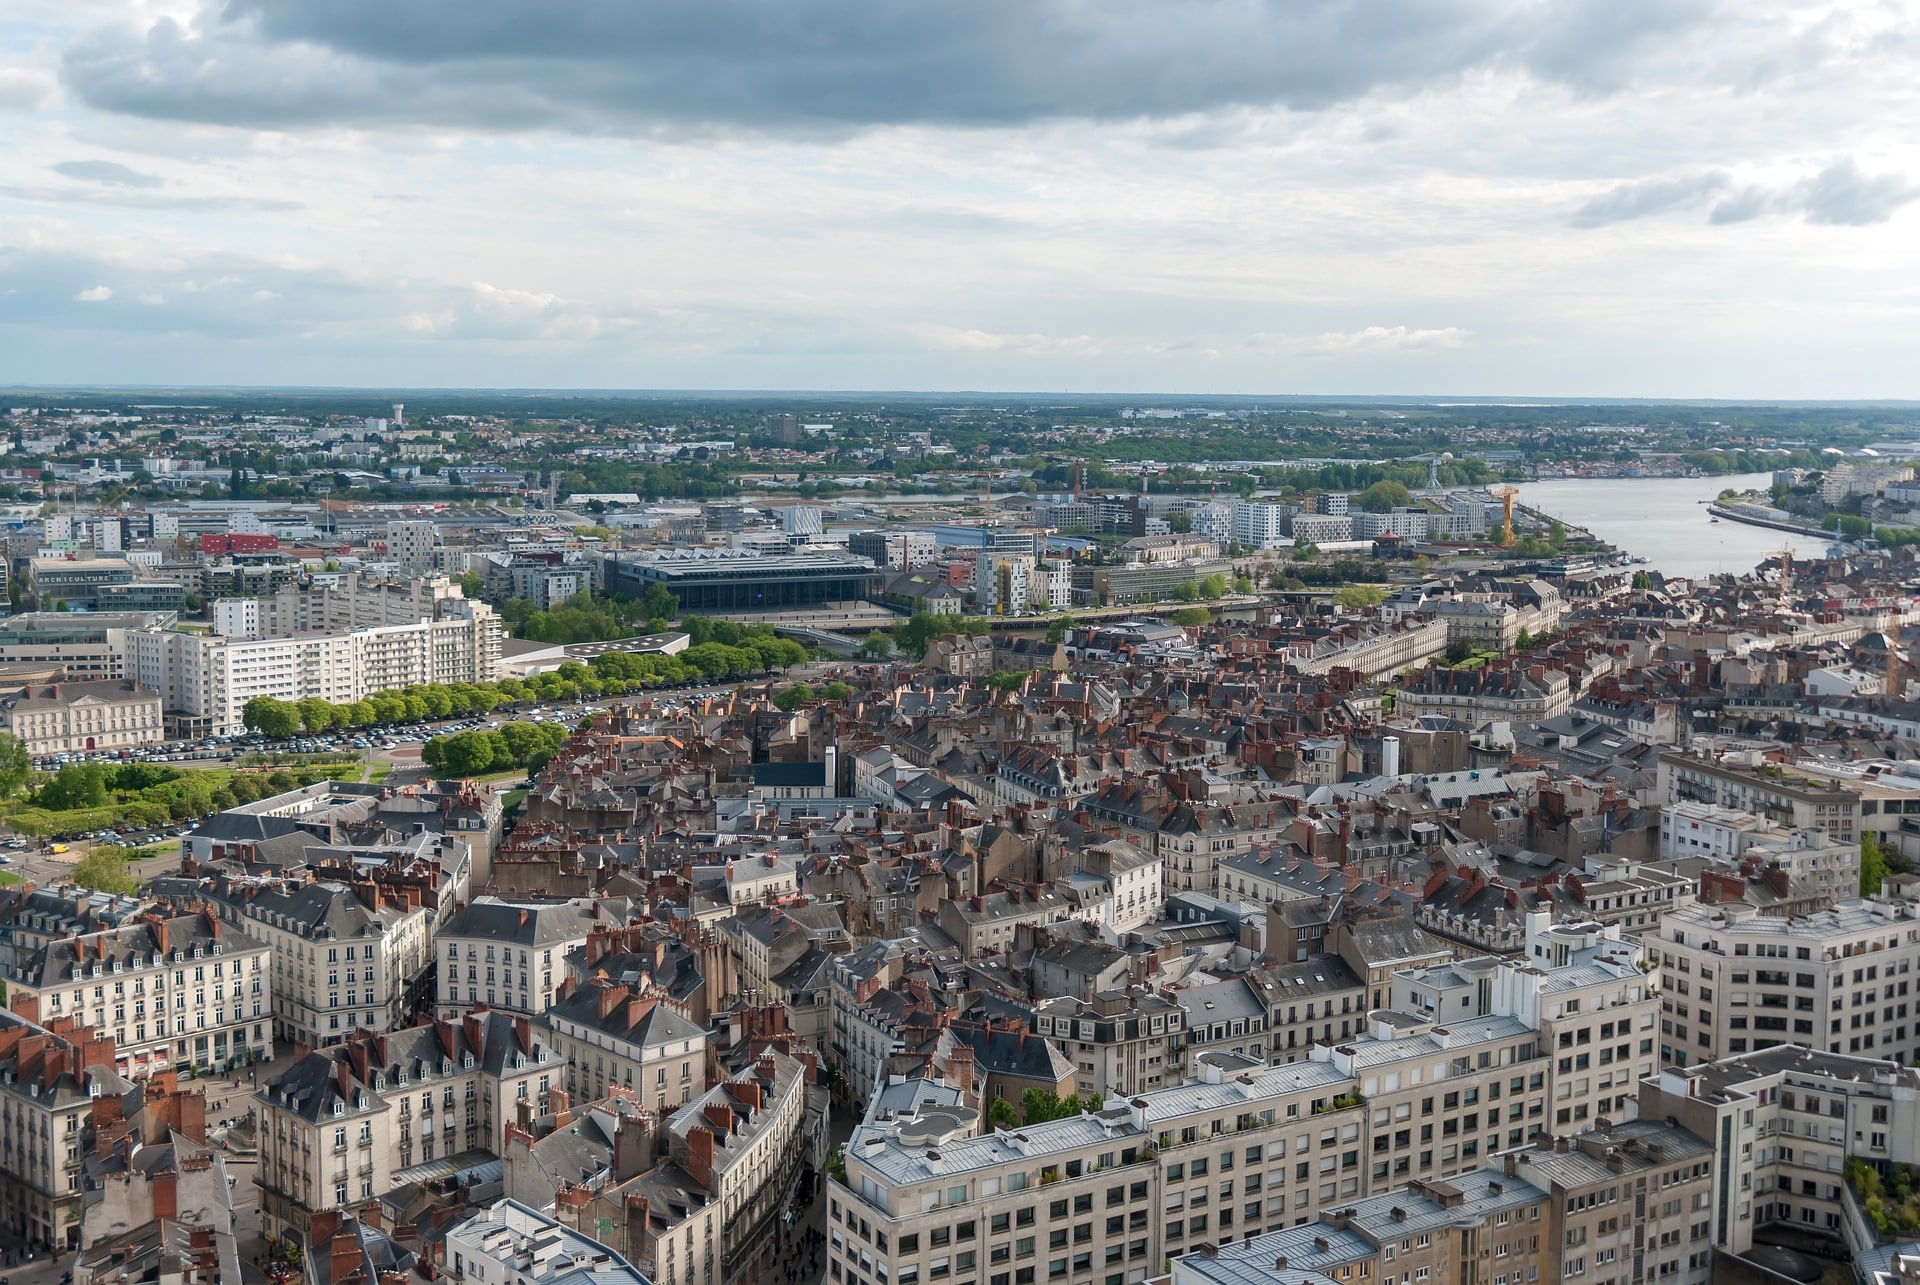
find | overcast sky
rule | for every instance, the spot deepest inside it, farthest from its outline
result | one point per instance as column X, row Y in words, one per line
column 1558, row 197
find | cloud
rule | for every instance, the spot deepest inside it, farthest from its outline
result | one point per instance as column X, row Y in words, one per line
column 1647, row 197
column 97, row 294
column 600, row 66
column 23, row 89
column 110, row 172
column 1840, row 195
column 1379, row 339
column 951, row 339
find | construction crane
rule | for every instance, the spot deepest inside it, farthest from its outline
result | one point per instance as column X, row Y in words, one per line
column 1506, row 495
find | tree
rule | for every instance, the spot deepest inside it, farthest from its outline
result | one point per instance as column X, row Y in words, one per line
column 105, row 870
column 1354, row 597
column 470, row 584
column 836, row 691
column 270, row 717
column 1180, row 521
column 1557, row 534
column 1057, row 630
column 1190, row 617
column 1001, row 1114
column 659, row 603
column 876, row 646
column 1642, row 581
column 1186, row 591
column 1873, row 865
column 1213, row 586
column 1458, row 650
column 16, row 765
column 1385, row 496
column 1523, row 641
column 793, row 698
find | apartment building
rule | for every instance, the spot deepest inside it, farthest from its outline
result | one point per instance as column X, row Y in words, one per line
column 926, row 1199
column 507, row 1243
column 743, row 1142
column 49, row 1077
column 1242, row 1149
column 343, row 959
column 1737, row 981
column 170, row 992
column 1781, row 1124
column 608, row 1035
column 1123, row 1043
column 340, row 1126
column 510, row 955
column 1618, row 1206
column 1771, row 791
column 206, row 680
column 1581, row 986
column 1194, row 837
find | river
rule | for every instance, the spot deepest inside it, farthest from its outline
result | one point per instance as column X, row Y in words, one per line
column 1664, row 521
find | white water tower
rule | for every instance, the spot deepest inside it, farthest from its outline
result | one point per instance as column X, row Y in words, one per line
column 399, row 414
column 1390, row 756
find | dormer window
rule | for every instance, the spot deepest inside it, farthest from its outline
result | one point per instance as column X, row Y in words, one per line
column 216, row 948
column 519, row 1061
column 466, row 1063
column 379, row 1081
column 196, row 952
column 339, row 1107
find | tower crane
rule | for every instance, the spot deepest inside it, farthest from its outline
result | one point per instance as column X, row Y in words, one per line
column 1506, row 495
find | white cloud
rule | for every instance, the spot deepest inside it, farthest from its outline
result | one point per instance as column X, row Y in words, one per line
column 1596, row 208
column 95, row 294
column 1385, row 339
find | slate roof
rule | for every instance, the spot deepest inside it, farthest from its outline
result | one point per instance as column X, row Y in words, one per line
column 361, row 1074
column 524, row 923
column 655, row 1024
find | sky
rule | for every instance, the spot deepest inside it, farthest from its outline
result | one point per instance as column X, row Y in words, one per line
column 1560, row 198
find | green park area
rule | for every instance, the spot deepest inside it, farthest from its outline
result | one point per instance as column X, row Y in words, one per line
column 82, row 798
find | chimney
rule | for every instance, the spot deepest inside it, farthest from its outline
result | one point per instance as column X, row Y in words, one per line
column 700, row 1155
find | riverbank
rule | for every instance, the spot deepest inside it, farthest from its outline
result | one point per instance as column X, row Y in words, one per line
column 1720, row 510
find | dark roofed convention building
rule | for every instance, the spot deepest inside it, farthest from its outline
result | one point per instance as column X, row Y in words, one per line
column 740, row 580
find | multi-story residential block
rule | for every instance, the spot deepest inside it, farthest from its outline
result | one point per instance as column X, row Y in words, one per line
column 180, row 991
column 1260, row 525
column 1816, row 856
column 50, row 1077
column 1135, row 878
column 1782, row 1124
column 1738, row 981
column 1580, row 985
column 509, row 1244
column 1771, row 791
column 1311, row 1001
column 925, row 1198
column 1121, row 1043
column 1193, row 837
column 340, row 1126
column 55, row 718
column 510, row 955
column 744, row 1143
column 343, row 959
column 1561, row 1210
column 609, row 1036
column 206, row 680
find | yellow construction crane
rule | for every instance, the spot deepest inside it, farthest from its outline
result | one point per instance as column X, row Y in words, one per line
column 1506, row 495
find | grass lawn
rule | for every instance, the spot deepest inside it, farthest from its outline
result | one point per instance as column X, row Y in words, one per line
column 495, row 778
column 378, row 772
column 8, row 879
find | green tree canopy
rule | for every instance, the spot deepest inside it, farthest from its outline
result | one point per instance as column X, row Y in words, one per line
column 1384, row 496
column 16, row 765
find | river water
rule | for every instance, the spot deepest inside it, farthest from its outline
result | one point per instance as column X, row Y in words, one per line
column 1664, row 521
